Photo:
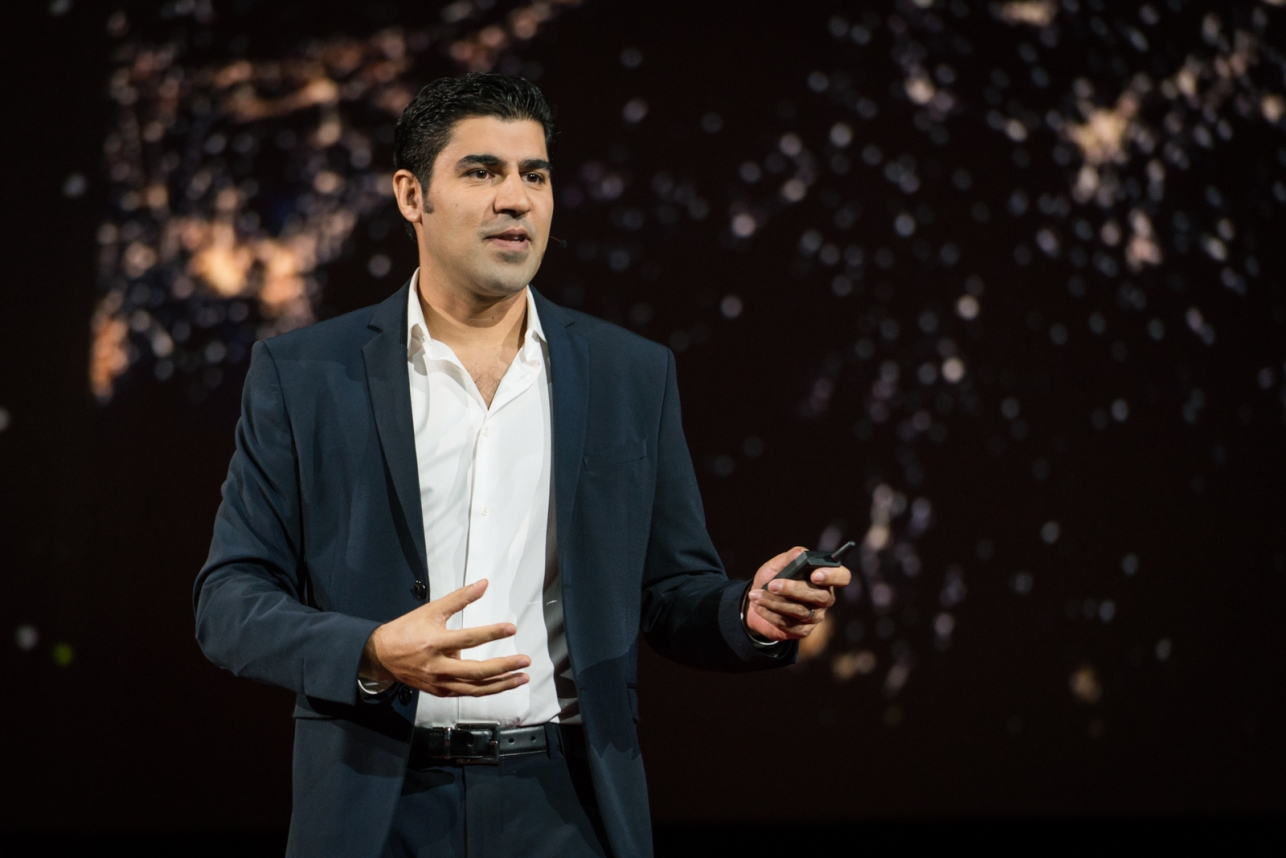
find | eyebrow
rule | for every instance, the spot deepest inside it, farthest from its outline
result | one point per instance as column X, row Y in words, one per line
column 493, row 162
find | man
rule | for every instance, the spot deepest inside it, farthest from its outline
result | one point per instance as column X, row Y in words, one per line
column 450, row 515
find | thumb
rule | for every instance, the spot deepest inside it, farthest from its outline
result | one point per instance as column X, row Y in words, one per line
column 455, row 601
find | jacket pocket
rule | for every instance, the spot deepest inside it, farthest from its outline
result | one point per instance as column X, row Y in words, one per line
column 621, row 454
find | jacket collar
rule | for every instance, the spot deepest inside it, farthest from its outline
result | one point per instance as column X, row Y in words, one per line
column 569, row 377
column 389, row 385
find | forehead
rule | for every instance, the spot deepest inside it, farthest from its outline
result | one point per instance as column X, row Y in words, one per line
column 510, row 140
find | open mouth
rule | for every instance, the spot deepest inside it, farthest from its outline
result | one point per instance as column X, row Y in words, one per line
column 513, row 239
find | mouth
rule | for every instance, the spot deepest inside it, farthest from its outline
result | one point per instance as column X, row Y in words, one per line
column 511, row 239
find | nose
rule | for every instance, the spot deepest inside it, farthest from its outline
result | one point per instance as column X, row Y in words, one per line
column 511, row 196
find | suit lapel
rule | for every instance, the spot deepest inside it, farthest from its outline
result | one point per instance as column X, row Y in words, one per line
column 389, row 385
column 569, row 375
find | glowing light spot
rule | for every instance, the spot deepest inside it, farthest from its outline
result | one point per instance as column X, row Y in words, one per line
column 634, row 111
column 26, row 637
column 1273, row 107
column 730, row 306
column 1215, row 248
column 1085, row 685
column 1101, row 138
column 847, row 665
column 919, row 88
column 743, row 225
column 326, row 182
column 63, row 654
column 74, row 185
column 953, row 369
column 793, row 190
column 379, row 265
column 1049, row 532
column 943, row 625
column 897, row 676
column 1034, row 13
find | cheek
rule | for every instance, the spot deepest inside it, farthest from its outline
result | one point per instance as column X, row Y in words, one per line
column 545, row 210
column 454, row 228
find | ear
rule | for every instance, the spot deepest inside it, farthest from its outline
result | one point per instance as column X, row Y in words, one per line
column 409, row 194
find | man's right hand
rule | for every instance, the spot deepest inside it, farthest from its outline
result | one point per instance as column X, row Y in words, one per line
column 418, row 650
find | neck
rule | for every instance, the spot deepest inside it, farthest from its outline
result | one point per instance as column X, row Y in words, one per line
column 460, row 318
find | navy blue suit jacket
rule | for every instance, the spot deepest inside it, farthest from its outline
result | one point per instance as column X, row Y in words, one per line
column 319, row 539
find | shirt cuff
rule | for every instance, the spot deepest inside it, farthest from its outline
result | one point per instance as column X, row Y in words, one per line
column 372, row 687
column 757, row 640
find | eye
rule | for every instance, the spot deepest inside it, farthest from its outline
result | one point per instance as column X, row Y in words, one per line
column 480, row 173
column 537, row 178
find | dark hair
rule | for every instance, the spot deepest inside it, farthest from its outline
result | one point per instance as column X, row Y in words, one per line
column 425, row 126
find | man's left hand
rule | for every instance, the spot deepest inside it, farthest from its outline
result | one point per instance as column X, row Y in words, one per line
column 788, row 610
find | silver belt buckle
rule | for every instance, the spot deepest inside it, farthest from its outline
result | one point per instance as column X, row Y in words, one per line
column 474, row 744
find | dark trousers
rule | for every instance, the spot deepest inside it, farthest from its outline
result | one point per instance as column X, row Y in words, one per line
column 529, row 805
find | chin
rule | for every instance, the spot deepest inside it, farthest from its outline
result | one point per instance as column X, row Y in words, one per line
column 507, row 281
column 504, row 286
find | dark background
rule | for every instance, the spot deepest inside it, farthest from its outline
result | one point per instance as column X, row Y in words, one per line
column 1126, row 668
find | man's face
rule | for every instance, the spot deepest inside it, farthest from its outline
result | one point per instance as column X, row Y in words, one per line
column 489, row 206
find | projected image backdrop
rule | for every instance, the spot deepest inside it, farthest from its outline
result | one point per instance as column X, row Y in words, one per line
column 993, row 289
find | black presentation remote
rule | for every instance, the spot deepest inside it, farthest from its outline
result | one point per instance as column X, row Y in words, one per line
column 802, row 566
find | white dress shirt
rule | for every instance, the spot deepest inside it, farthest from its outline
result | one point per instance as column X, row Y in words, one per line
column 485, row 493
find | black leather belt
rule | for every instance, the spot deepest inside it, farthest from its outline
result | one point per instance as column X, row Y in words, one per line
column 474, row 744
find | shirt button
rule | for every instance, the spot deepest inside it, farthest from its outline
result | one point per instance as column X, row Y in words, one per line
column 486, row 431
column 486, row 510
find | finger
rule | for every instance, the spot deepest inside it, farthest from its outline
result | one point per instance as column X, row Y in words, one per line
column 831, row 577
column 477, row 636
column 774, row 566
column 798, row 611
column 478, row 671
column 465, row 688
column 789, row 625
column 456, row 600
column 802, row 591
column 772, row 632
column 779, row 562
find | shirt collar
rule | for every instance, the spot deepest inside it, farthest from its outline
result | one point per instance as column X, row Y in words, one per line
column 417, row 329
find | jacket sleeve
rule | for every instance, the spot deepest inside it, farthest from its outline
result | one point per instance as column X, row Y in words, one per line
column 251, row 612
column 691, row 611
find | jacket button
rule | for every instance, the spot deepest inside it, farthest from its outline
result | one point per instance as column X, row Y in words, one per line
column 405, row 693
column 421, row 590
